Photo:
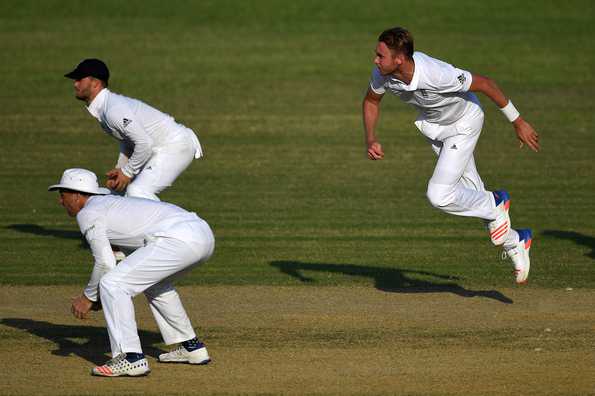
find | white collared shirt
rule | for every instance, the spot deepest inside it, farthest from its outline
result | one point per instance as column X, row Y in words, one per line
column 438, row 90
column 129, row 223
column 139, row 127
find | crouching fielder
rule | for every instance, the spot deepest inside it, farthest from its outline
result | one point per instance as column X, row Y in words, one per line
column 165, row 240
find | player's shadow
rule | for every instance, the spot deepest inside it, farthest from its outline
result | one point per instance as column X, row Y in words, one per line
column 576, row 237
column 42, row 231
column 87, row 342
column 35, row 229
column 390, row 279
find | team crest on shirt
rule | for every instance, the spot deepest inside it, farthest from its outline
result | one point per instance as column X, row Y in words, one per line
column 126, row 122
column 462, row 78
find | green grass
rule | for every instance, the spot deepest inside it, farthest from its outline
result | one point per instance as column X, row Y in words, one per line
column 274, row 90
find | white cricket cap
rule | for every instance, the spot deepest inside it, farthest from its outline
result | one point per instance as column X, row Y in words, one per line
column 82, row 180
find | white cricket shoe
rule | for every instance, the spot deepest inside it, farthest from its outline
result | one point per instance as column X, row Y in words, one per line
column 181, row 355
column 500, row 226
column 520, row 256
column 120, row 367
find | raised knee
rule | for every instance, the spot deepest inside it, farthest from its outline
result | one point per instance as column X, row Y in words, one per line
column 105, row 284
column 440, row 195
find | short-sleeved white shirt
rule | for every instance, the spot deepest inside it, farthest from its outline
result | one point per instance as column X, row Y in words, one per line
column 438, row 90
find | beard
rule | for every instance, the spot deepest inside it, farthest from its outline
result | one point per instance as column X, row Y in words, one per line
column 83, row 95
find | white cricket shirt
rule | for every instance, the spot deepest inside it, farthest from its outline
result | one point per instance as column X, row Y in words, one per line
column 139, row 127
column 438, row 90
column 126, row 222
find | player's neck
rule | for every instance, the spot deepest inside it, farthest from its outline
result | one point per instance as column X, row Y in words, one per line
column 93, row 96
column 405, row 71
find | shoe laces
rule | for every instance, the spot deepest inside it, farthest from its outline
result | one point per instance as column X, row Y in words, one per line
column 116, row 360
column 509, row 254
column 180, row 350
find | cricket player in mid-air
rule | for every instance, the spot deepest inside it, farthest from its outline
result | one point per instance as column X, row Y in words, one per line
column 154, row 148
column 166, row 241
column 451, row 118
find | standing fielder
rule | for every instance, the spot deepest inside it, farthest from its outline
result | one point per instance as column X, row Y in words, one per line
column 451, row 118
column 154, row 148
column 167, row 241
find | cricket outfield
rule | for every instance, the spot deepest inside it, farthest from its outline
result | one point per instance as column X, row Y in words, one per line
column 332, row 274
column 318, row 340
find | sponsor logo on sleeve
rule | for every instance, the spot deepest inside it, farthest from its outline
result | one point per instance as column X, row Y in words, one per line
column 462, row 78
column 126, row 122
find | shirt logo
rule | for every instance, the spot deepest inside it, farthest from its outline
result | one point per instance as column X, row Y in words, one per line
column 453, row 147
column 462, row 79
column 126, row 122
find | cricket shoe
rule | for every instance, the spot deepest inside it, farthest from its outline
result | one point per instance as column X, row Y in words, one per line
column 119, row 366
column 519, row 255
column 182, row 355
column 500, row 226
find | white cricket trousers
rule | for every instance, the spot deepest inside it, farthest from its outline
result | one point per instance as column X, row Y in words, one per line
column 151, row 270
column 456, row 187
column 164, row 166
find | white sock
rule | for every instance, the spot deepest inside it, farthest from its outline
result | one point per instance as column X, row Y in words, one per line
column 511, row 239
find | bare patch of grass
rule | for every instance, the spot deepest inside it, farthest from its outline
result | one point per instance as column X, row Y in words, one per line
column 317, row 340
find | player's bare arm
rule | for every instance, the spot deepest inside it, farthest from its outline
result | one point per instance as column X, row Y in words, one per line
column 525, row 132
column 371, row 112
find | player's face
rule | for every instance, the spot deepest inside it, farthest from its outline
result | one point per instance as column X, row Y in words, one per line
column 70, row 201
column 83, row 88
column 386, row 61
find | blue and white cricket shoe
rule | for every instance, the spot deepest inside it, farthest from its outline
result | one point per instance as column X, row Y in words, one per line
column 182, row 355
column 500, row 226
column 520, row 256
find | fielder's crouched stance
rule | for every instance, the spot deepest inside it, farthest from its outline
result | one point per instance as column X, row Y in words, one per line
column 166, row 241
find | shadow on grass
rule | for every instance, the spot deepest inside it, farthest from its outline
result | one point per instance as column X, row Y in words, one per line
column 42, row 231
column 39, row 230
column 576, row 237
column 389, row 279
column 87, row 342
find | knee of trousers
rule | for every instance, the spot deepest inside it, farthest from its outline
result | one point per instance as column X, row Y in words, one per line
column 107, row 286
column 440, row 195
column 134, row 190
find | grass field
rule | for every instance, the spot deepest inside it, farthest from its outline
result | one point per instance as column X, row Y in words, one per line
column 274, row 90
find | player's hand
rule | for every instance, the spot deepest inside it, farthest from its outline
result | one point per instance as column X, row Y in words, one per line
column 526, row 134
column 81, row 305
column 375, row 151
column 117, row 180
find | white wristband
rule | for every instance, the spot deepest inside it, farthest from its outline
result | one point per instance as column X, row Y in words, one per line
column 510, row 112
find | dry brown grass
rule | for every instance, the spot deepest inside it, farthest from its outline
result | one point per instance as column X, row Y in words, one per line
column 317, row 340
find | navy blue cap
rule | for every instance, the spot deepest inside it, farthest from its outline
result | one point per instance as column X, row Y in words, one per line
column 90, row 68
